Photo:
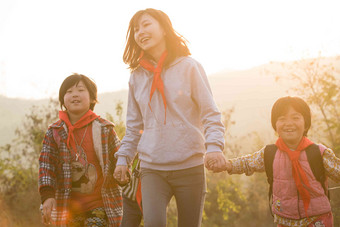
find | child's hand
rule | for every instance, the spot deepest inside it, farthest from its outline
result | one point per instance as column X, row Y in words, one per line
column 215, row 161
column 228, row 166
column 121, row 175
column 46, row 210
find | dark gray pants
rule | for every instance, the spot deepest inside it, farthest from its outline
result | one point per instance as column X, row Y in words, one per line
column 132, row 215
column 187, row 185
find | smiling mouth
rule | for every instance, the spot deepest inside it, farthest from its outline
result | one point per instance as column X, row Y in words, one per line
column 144, row 39
column 75, row 101
column 289, row 130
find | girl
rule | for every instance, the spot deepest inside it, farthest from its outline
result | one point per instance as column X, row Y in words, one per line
column 76, row 162
column 298, row 198
column 172, row 120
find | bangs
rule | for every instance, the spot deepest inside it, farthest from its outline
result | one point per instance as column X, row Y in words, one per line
column 136, row 17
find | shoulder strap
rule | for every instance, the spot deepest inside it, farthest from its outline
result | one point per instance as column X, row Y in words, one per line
column 314, row 159
column 316, row 164
column 269, row 154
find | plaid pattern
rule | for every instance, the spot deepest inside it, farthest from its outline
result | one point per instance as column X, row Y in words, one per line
column 55, row 169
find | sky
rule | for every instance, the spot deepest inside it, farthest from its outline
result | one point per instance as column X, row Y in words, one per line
column 44, row 41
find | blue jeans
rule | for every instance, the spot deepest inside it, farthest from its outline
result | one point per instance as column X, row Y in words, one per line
column 132, row 215
column 187, row 185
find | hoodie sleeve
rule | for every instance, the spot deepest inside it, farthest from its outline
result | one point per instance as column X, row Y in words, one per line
column 134, row 129
column 210, row 115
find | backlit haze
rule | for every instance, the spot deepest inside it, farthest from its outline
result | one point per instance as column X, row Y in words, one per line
column 43, row 41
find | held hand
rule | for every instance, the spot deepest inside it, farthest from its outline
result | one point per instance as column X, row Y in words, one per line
column 47, row 207
column 228, row 166
column 215, row 161
column 120, row 174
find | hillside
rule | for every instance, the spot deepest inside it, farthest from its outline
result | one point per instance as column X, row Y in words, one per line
column 250, row 92
column 12, row 111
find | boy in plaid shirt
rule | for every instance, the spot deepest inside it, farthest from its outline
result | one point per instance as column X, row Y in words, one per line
column 77, row 161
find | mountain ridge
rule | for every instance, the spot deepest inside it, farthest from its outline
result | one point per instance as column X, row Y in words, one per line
column 250, row 92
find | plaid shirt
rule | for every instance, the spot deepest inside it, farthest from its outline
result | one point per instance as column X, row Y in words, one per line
column 55, row 169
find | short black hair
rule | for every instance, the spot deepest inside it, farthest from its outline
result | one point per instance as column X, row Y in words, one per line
column 282, row 105
column 74, row 79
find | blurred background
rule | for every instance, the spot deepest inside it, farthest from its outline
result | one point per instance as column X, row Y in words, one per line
column 253, row 52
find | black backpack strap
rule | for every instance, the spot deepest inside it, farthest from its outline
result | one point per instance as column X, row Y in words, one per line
column 269, row 154
column 316, row 164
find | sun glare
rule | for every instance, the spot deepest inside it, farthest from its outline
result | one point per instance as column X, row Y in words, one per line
column 42, row 42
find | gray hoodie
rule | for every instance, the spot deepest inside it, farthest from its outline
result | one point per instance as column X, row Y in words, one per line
column 193, row 122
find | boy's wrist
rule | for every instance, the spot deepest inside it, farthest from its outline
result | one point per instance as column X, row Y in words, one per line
column 46, row 193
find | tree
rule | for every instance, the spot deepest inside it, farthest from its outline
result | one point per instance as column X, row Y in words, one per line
column 19, row 167
column 317, row 81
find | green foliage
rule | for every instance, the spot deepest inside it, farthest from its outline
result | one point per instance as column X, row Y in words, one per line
column 224, row 201
column 172, row 213
column 257, row 211
column 19, row 167
column 119, row 123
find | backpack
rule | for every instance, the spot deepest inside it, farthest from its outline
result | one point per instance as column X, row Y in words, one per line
column 314, row 159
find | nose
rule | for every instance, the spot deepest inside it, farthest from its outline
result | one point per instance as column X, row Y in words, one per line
column 289, row 122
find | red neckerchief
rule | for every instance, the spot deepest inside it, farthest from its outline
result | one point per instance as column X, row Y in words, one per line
column 299, row 174
column 157, row 82
column 87, row 118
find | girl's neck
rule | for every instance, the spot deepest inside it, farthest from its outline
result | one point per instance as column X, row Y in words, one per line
column 157, row 53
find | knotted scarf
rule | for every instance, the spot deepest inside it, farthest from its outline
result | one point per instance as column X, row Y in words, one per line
column 157, row 82
column 299, row 174
column 87, row 118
